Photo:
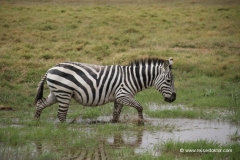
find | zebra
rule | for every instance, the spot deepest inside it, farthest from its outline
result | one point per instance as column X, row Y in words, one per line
column 95, row 85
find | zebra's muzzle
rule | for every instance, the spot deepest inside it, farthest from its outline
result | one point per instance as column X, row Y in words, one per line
column 170, row 99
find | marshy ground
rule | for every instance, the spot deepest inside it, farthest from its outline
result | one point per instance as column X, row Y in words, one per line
column 98, row 138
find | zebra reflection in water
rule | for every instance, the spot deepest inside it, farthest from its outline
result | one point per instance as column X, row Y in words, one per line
column 103, row 149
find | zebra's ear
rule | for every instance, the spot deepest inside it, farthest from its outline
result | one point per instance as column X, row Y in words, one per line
column 170, row 60
column 166, row 66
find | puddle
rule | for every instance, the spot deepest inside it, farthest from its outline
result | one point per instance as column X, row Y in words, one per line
column 139, row 141
column 221, row 113
column 155, row 107
column 187, row 130
column 179, row 130
column 193, row 129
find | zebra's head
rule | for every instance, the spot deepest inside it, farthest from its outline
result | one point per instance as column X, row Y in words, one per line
column 164, row 81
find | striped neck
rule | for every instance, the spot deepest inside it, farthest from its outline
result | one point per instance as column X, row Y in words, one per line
column 140, row 75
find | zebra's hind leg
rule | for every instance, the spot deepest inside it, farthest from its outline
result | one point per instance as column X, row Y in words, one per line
column 64, row 101
column 117, row 108
column 43, row 103
column 62, row 112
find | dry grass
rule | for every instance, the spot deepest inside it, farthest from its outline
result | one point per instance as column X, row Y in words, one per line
column 202, row 38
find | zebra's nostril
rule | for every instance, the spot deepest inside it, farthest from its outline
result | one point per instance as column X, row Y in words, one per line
column 171, row 99
column 167, row 99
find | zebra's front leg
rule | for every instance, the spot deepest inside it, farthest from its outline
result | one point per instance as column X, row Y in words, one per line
column 117, row 108
column 133, row 103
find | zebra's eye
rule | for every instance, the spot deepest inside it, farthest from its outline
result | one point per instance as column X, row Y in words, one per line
column 168, row 80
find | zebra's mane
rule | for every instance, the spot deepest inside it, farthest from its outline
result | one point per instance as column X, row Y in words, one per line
column 147, row 61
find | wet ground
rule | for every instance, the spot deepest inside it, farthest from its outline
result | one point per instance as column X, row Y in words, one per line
column 177, row 130
column 187, row 130
column 143, row 140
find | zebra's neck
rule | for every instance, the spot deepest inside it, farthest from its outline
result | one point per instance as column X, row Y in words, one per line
column 139, row 77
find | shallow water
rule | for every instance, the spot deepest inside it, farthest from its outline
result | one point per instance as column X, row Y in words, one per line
column 193, row 129
column 180, row 130
column 156, row 107
column 139, row 141
column 187, row 130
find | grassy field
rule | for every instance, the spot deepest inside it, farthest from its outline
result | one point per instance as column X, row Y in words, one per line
column 203, row 37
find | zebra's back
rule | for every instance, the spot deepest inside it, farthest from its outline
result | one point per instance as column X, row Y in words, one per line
column 90, row 85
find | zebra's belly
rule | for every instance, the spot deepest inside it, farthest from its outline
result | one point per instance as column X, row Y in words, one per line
column 90, row 101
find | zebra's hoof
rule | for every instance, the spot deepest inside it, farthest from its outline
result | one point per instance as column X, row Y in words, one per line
column 114, row 121
column 36, row 118
column 141, row 122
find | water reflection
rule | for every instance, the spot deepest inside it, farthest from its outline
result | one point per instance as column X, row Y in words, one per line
column 103, row 150
column 144, row 140
column 133, row 142
column 128, row 139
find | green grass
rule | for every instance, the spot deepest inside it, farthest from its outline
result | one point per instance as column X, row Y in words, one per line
column 206, row 56
column 202, row 37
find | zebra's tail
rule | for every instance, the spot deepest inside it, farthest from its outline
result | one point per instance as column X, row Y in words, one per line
column 40, row 89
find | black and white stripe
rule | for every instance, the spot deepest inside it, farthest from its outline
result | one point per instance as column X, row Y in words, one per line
column 94, row 85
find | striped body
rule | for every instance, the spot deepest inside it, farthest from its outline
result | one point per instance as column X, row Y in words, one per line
column 94, row 85
column 90, row 85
